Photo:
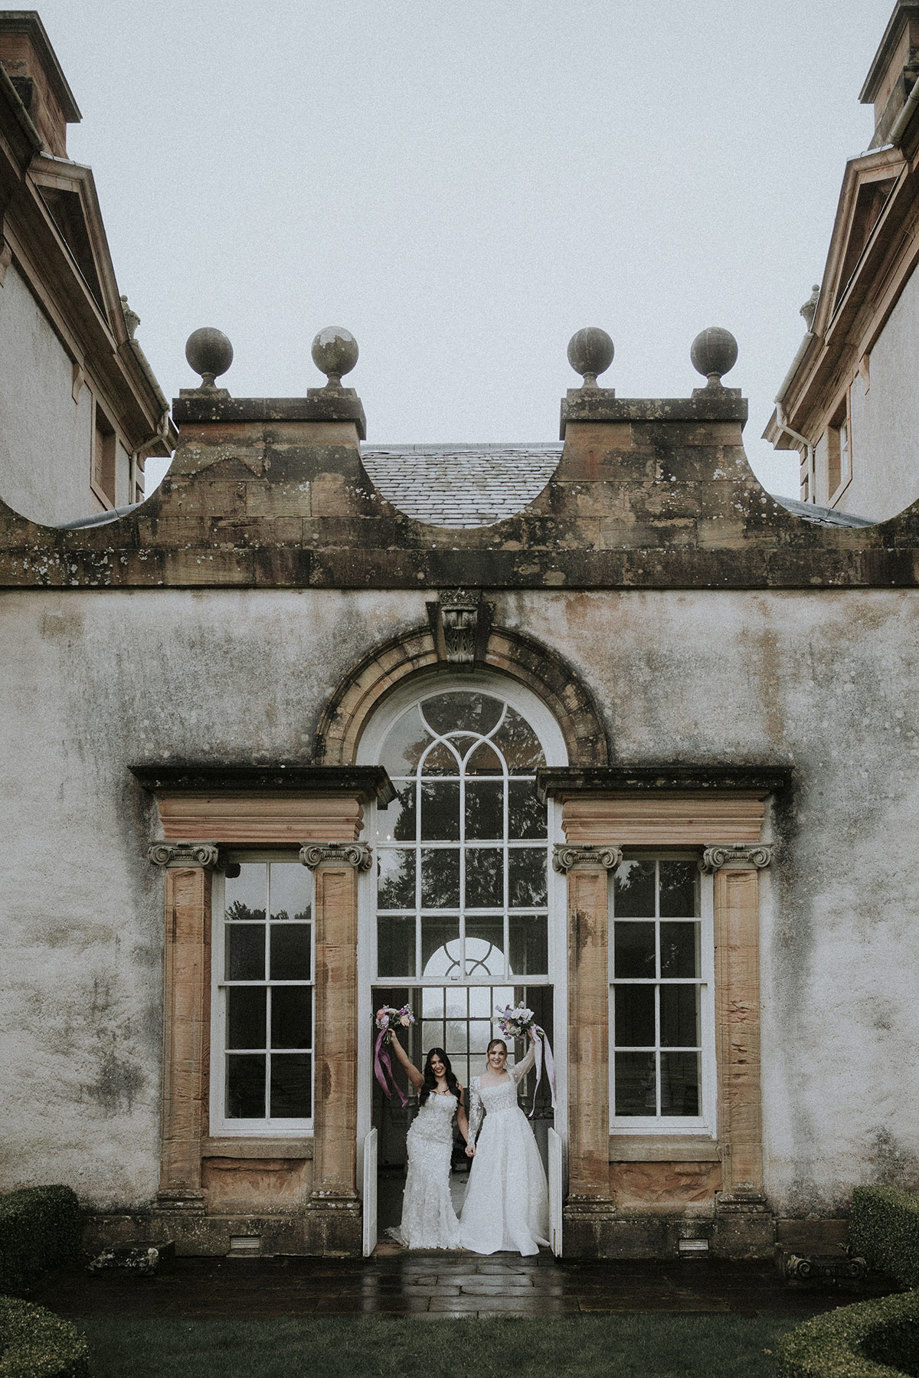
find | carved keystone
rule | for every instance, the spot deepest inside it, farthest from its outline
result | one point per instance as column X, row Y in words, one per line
column 460, row 621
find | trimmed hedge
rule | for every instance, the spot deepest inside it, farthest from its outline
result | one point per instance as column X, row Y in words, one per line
column 39, row 1229
column 861, row 1341
column 35, row 1344
column 884, row 1229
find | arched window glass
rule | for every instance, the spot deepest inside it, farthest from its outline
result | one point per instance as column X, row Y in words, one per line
column 462, row 854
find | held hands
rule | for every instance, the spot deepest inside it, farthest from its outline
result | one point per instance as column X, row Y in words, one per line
column 470, row 1149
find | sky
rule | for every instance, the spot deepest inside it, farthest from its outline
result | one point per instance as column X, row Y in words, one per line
column 463, row 185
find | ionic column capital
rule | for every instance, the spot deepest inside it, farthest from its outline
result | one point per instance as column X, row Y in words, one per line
column 567, row 858
column 356, row 854
column 736, row 856
column 203, row 854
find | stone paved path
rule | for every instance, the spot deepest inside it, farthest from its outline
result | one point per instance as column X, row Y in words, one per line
column 399, row 1283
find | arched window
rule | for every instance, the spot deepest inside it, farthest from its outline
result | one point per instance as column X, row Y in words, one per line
column 462, row 861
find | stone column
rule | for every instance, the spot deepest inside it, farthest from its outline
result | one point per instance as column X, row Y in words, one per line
column 334, row 1205
column 589, row 1203
column 744, row 1227
column 187, row 968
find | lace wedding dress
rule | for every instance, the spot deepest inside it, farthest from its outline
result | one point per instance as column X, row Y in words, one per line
column 507, row 1199
column 428, row 1218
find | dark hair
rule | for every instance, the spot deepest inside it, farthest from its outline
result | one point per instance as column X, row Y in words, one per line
column 492, row 1044
column 430, row 1081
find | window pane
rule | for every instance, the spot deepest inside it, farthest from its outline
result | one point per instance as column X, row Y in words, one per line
column 485, row 947
column 404, row 745
column 633, row 949
column 529, row 944
column 442, row 759
column 636, row 1092
column 526, row 816
column 291, row 959
column 460, row 710
column 440, row 878
column 291, row 1086
column 289, row 891
column 245, row 959
column 484, row 878
column 438, row 959
column 292, row 1017
column 396, row 885
column 679, row 1016
column 246, row 1017
column 432, row 1036
column 401, row 816
column 245, row 894
column 680, row 1083
column 432, row 1003
column 518, row 743
column 484, row 810
column 479, row 1035
column 635, row 1016
column 396, row 947
column 527, row 883
column 485, row 761
column 680, row 949
column 679, row 889
column 634, row 890
column 455, row 1001
column 246, row 1087
column 439, row 810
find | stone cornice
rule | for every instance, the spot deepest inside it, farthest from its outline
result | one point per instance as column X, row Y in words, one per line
column 567, row 858
column 736, row 857
column 366, row 783
column 204, row 854
column 553, row 782
column 356, row 854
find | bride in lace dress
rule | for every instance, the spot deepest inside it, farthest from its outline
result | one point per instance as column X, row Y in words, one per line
column 428, row 1218
column 507, row 1199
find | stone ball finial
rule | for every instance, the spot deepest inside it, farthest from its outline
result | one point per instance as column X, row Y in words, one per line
column 590, row 352
column 334, row 353
column 210, row 353
column 713, row 353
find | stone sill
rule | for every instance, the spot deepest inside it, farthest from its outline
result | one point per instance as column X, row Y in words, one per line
column 251, row 1147
column 659, row 1148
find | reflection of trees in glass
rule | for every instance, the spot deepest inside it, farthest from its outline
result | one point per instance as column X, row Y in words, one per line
column 242, row 913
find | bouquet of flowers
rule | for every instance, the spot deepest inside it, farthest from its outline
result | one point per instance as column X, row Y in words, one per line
column 388, row 1018
column 516, row 1022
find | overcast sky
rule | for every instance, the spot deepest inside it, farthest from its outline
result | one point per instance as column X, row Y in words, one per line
column 463, row 185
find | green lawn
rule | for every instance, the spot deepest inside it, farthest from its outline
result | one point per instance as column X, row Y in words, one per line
column 628, row 1346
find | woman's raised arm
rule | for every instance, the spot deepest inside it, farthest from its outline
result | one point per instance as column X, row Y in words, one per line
column 411, row 1070
column 521, row 1068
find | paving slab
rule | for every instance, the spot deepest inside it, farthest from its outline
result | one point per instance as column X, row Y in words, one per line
column 407, row 1284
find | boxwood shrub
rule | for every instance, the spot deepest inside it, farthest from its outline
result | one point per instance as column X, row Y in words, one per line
column 39, row 1229
column 884, row 1229
column 35, row 1344
column 872, row 1339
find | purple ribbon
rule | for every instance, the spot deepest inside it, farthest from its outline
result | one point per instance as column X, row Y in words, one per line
column 550, row 1065
column 382, row 1068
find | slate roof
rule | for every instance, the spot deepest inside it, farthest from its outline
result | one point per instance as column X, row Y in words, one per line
column 821, row 516
column 460, row 485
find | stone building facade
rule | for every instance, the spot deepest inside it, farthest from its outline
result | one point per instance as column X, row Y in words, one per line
column 848, row 404
column 80, row 409
column 642, row 752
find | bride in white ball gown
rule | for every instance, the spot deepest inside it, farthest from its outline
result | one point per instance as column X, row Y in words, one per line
column 507, row 1199
column 428, row 1218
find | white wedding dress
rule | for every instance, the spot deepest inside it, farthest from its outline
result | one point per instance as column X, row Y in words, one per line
column 428, row 1218
column 507, row 1199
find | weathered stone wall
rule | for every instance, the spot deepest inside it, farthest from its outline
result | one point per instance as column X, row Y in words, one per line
column 46, row 436
column 823, row 680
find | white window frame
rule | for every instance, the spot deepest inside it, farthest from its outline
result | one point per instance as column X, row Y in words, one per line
column 221, row 1126
column 676, row 1125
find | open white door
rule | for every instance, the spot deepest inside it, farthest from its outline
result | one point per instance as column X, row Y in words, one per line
column 370, row 1193
column 555, row 1191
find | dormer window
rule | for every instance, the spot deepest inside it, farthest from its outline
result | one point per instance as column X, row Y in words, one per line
column 839, row 451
